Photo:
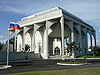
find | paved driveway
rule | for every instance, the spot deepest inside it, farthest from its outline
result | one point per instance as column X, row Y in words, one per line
column 45, row 65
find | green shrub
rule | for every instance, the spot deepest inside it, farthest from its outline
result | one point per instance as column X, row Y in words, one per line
column 97, row 52
column 26, row 51
column 1, row 45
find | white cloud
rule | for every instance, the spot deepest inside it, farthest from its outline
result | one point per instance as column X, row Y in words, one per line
column 98, row 30
column 3, row 39
column 86, row 9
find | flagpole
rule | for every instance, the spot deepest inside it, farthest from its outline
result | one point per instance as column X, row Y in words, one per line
column 15, row 41
column 8, row 49
column 8, row 66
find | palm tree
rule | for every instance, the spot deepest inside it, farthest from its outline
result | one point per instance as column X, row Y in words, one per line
column 72, row 47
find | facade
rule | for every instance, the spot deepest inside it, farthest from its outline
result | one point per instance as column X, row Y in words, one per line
column 48, row 32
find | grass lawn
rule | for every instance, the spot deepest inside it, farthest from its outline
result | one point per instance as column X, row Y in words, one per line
column 1, row 66
column 88, row 56
column 85, row 71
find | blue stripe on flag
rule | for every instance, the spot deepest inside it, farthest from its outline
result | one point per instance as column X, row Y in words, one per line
column 11, row 24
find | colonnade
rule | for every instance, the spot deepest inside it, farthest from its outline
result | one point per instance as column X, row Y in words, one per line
column 44, row 34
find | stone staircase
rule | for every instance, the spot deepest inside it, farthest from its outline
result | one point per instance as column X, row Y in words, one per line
column 58, row 57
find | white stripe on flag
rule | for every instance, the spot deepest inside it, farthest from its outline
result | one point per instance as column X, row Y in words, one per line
column 11, row 31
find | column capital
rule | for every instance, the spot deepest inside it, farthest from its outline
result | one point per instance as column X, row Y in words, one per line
column 70, row 24
column 89, row 31
column 78, row 27
column 50, row 23
column 26, row 29
column 84, row 30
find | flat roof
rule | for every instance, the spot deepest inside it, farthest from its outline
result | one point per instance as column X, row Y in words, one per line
column 74, row 17
column 63, row 12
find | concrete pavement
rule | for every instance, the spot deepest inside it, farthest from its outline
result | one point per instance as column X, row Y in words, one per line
column 45, row 65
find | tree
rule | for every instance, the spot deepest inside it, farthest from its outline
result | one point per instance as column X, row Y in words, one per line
column 26, row 51
column 72, row 47
column 11, row 41
column 1, row 45
column 97, row 52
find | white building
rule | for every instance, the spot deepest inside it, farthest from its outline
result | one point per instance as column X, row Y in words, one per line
column 47, row 33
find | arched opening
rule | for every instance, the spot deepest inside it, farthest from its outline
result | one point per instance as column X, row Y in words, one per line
column 28, row 40
column 57, row 51
column 89, row 42
column 67, row 38
column 38, row 42
column 93, row 41
column 19, row 42
column 54, row 37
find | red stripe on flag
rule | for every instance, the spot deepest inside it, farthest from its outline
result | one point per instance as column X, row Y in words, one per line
column 16, row 27
column 11, row 27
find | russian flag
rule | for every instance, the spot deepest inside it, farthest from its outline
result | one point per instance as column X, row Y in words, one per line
column 14, row 26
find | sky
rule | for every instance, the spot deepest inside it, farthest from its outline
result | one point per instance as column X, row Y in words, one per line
column 87, row 10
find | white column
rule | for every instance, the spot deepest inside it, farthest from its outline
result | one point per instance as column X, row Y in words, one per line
column 31, row 43
column 70, row 24
column 46, row 43
column 86, row 40
column 42, row 34
column 80, row 38
column 86, row 43
column 23, row 40
column 33, row 38
column 72, row 38
column 53, row 46
column 78, row 27
column 48, row 24
column 94, row 36
column 62, row 36
column 72, row 35
column 60, row 46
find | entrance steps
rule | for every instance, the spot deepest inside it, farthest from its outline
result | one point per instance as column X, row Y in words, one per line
column 58, row 57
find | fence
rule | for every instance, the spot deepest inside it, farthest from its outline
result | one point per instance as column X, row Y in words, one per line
column 15, row 56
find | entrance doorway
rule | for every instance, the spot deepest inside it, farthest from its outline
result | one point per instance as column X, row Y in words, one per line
column 57, row 51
